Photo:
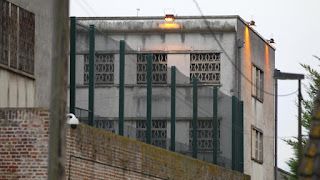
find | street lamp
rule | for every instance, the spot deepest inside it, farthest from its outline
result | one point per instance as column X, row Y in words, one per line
column 286, row 76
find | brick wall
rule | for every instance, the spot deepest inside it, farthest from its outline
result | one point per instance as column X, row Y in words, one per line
column 91, row 153
column 23, row 143
column 97, row 154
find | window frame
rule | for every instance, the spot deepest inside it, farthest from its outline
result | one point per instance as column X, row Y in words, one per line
column 257, row 83
column 18, row 35
column 256, row 144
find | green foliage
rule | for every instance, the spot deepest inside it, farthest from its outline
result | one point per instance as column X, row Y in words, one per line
column 313, row 78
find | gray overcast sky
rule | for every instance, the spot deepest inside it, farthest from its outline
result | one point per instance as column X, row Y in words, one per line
column 294, row 24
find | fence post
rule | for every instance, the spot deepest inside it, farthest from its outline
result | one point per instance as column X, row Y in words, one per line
column 121, row 86
column 233, row 133
column 241, row 138
column 91, row 73
column 149, row 98
column 73, row 24
column 195, row 119
column 173, row 108
column 215, row 125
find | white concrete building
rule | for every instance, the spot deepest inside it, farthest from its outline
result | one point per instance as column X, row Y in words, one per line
column 208, row 47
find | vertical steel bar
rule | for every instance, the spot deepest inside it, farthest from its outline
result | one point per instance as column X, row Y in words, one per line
column 195, row 119
column 121, row 86
column 91, row 73
column 215, row 125
column 233, row 133
column 173, row 108
column 73, row 24
column 149, row 98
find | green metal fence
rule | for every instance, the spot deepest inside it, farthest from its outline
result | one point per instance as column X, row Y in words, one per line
column 196, row 119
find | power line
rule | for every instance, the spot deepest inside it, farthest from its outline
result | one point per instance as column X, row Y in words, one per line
column 228, row 57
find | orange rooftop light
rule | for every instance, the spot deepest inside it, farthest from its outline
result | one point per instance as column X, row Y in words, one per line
column 169, row 17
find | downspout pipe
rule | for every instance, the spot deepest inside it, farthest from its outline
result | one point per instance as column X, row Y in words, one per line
column 240, row 44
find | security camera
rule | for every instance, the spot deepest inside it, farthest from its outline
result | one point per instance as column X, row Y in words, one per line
column 72, row 120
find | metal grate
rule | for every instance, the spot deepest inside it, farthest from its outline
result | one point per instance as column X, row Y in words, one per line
column 159, row 68
column 26, row 41
column 158, row 132
column 13, row 36
column 4, row 32
column 204, row 135
column 205, row 66
column 104, row 69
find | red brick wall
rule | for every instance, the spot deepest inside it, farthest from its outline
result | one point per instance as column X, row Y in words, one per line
column 23, row 143
column 97, row 154
column 91, row 153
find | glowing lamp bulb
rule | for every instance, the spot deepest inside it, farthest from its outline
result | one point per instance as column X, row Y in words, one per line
column 169, row 17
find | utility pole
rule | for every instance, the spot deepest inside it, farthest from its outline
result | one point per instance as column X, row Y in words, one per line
column 287, row 76
column 58, row 101
column 276, row 128
column 299, row 129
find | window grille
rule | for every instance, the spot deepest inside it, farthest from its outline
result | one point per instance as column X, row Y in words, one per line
column 159, row 68
column 17, row 31
column 257, row 83
column 26, row 41
column 257, row 145
column 13, row 36
column 4, row 32
column 204, row 135
column 104, row 69
column 205, row 66
column 158, row 132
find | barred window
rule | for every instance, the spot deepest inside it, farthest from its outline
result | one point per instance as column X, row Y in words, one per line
column 205, row 66
column 104, row 68
column 204, row 135
column 158, row 132
column 159, row 68
column 17, row 35
column 257, row 145
column 257, row 83
column 4, row 32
